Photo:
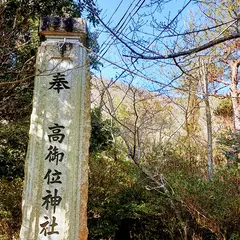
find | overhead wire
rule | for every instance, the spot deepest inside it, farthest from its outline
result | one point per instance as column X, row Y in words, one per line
column 122, row 18
column 126, row 19
column 138, row 6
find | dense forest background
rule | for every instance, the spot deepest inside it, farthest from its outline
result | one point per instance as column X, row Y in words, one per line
column 162, row 166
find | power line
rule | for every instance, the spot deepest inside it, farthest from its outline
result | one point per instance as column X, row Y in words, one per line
column 126, row 21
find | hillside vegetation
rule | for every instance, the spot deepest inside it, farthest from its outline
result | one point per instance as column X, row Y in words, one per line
column 148, row 169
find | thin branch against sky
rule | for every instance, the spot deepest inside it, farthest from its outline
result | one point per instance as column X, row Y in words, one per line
column 132, row 38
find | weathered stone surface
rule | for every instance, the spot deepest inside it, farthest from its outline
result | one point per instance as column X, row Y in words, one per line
column 60, row 125
column 64, row 27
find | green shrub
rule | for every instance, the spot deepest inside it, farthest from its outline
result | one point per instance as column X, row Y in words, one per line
column 10, row 207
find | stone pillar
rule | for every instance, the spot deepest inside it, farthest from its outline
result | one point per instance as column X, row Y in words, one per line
column 56, row 172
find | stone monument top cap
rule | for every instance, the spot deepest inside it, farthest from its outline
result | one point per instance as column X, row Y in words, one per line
column 63, row 27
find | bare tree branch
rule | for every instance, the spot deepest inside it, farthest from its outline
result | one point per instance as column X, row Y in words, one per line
column 187, row 52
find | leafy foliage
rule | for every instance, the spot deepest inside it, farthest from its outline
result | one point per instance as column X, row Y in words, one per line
column 200, row 196
column 10, row 207
column 225, row 108
column 229, row 145
column 14, row 138
column 119, row 205
column 102, row 133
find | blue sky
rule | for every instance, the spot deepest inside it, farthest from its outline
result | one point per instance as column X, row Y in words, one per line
column 114, row 54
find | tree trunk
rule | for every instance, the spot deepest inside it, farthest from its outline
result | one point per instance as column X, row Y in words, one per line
column 234, row 96
column 208, row 120
column 236, row 111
